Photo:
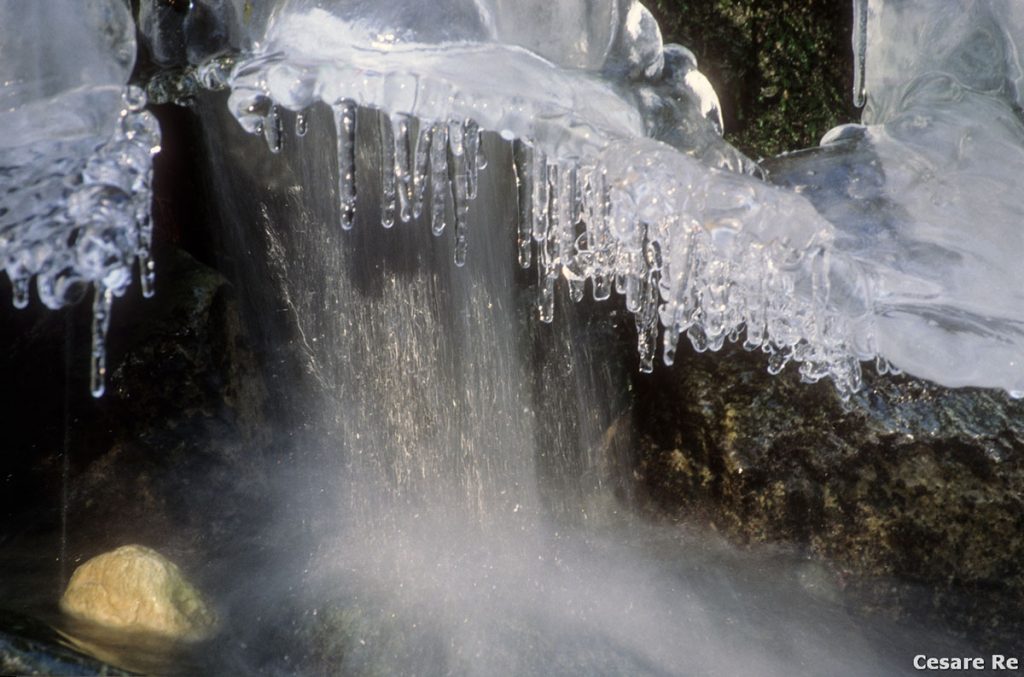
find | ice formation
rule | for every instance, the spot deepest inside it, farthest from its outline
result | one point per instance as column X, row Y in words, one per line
column 923, row 196
column 75, row 157
column 623, row 177
column 851, row 252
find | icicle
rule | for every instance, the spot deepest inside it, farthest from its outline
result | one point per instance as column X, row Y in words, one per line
column 647, row 338
column 539, row 182
column 388, row 189
column 556, row 215
column 675, row 316
column 301, row 124
column 144, row 256
column 147, row 276
column 577, row 286
column 141, row 128
column 481, row 156
column 575, row 195
column 421, row 168
column 549, row 205
column 471, row 142
column 345, row 130
column 755, row 324
column 860, row 51
column 460, row 187
column 439, row 185
column 698, row 338
column 597, row 234
column 103, row 298
column 272, row 129
column 568, row 259
column 461, row 197
column 21, row 291
column 147, row 268
column 400, row 125
column 456, row 138
column 522, row 162
column 620, row 284
column 631, row 284
column 777, row 360
column 670, row 342
column 546, row 304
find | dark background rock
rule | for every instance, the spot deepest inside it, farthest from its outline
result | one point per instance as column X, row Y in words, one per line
column 173, row 456
column 28, row 647
column 184, row 463
column 912, row 493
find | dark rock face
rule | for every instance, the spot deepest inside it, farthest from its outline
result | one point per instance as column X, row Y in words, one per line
column 914, row 493
column 187, row 401
column 174, row 456
column 28, row 647
column 171, row 456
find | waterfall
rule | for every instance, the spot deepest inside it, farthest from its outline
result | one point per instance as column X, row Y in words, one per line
column 450, row 499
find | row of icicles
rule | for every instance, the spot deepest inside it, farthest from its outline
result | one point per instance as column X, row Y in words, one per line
column 566, row 216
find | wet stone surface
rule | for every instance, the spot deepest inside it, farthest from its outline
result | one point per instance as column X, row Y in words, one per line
column 913, row 492
column 170, row 457
column 28, row 647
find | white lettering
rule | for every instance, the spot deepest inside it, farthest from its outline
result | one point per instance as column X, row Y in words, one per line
column 1000, row 662
column 924, row 662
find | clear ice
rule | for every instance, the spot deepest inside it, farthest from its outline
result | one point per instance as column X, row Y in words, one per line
column 923, row 196
column 894, row 242
column 75, row 158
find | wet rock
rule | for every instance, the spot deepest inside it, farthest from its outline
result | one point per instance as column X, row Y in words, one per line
column 171, row 457
column 28, row 647
column 182, row 467
column 912, row 492
column 182, row 415
column 136, row 588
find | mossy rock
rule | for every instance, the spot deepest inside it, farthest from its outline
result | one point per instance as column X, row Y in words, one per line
column 914, row 493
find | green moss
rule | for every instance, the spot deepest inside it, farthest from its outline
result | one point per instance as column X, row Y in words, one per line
column 782, row 70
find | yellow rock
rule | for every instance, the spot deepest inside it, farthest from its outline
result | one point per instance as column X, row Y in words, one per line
column 136, row 588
